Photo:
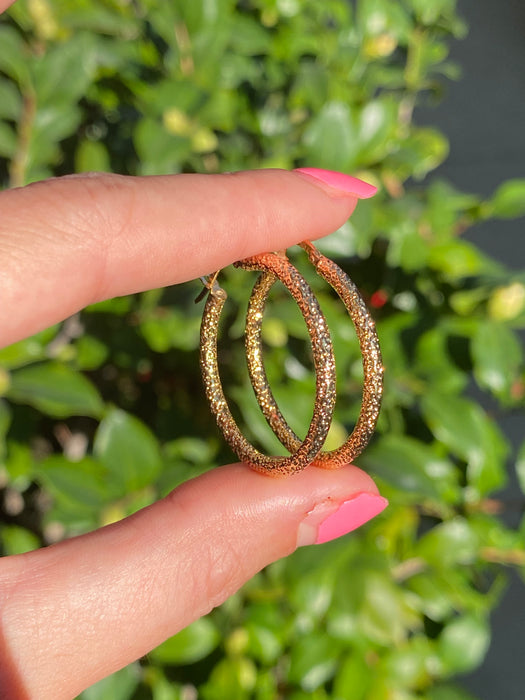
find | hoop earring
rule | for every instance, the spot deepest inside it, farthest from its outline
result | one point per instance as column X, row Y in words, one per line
column 371, row 353
column 273, row 266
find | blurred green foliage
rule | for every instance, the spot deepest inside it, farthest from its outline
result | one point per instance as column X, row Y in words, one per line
column 104, row 413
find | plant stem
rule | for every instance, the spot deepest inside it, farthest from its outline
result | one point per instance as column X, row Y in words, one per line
column 18, row 167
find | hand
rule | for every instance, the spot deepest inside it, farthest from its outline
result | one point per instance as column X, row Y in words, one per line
column 75, row 612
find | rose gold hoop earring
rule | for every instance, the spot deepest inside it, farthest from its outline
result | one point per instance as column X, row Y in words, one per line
column 370, row 350
column 273, row 266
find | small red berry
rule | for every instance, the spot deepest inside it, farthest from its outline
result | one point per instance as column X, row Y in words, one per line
column 378, row 299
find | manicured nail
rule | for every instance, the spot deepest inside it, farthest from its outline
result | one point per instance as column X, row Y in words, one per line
column 340, row 181
column 327, row 521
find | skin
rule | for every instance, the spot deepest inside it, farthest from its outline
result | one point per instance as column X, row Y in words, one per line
column 79, row 610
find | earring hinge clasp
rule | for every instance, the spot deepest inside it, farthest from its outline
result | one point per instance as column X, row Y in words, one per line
column 211, row 286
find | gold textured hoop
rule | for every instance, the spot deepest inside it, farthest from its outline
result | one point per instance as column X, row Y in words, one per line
column 273, row 266
column 372, row 362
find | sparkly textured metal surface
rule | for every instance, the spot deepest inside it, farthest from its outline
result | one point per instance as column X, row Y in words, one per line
column 372, row 362
column 273, row 267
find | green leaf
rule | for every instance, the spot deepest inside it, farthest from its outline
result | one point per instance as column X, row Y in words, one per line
column 457, row 259
column 5, row 418
column 520, row 467
column 434, row 363
column 444, row 206
column 90, row 352
column 386, row 610
column 19, row 464
column 5, row 381
column 119, row 686
column 331, row 137
column 353, row 673
column 407, row 665
column 92, row 156
column 170, row 328
column 377, row 122
column 183, row 97
column 17, row 540
column 55, row 389
column 407, row 247
column 119, row 306
column 507, row 303
column 8, row 140
column 232, row 678
column 314, row 592
column 508, row 201
column 163, row 688
column 451, row 543
column 128, row 449
column 158, row 150
column 10, row 101
column 469, row 433
column 192, row 644
column 463, row 644
column 264, row 644
column 193, row 450
column 313, row 660
column 248, row 36
column 79, row 485
column 411, row 466
column 430, row 12
column 27, row 351
column 422, row 152
column 434, row 601
column 65, row 70
column 497, row 355
column 14, row 55
column 52, row 124
column 115, row 19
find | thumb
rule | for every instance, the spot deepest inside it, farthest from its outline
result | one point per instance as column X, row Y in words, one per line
column 107, row 598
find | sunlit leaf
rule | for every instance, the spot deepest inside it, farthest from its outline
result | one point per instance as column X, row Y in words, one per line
column 79, row 484
column 520, row 467
column 463, row 643
column 192, row 644
column 313, row 660
column 17, row 540
column 468, row 432
column 55, row 389
column 119, row 686
column 497, row 354
column 331, row 137
column 128, row 449
column 411, row 466
column 234, row 678
column 450, row 543
column 508, row 201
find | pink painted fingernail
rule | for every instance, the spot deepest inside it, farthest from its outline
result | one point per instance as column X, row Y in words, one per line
column 327, row 522
column 340, row 181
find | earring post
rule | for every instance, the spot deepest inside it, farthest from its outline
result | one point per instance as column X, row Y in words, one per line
column 211, row 286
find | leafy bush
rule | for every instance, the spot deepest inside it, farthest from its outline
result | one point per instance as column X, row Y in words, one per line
column 104, row 413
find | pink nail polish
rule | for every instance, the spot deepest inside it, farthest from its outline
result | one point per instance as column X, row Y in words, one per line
column 327, row 522
column 340, row 181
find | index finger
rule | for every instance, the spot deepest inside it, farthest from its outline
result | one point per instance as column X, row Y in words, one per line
column 69, row 242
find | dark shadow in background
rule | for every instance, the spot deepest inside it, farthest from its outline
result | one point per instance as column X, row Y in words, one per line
column 483, row 115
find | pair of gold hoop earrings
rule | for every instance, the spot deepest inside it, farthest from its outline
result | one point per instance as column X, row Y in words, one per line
column 273, row 267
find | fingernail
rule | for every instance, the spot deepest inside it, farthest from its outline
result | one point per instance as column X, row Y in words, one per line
column 327, row 521
column 340, row 181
